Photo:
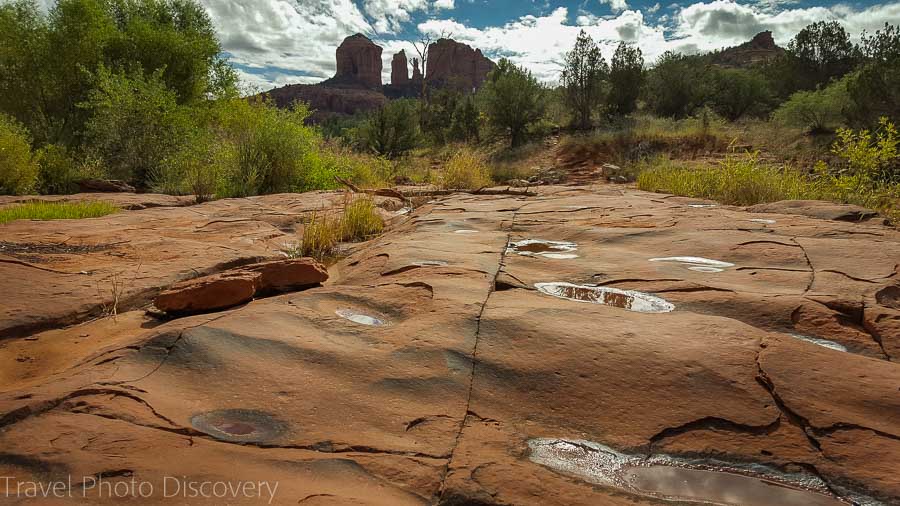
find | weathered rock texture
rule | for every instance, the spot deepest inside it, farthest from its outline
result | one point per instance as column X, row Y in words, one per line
column 758, row 50
column 400, row 69
column 457, row 65
column 358, row 62
column 431, row 397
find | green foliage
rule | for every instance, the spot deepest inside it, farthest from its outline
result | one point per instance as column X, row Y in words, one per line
column 59, row 172
column 821, row 52
column 513, row 99
column 735, row 93
column 584, row 78
column 39, row 210
column 51, row 63
column 626, row 77
column 135, row 123
column 18, row 167
column 674, row 86
column 264, row 149
column 874, row 91
column 872, row 156
column 819, row 111
column 392, row 130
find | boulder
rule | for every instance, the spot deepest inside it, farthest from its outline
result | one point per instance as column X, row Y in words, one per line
column 287, row 275
column 457, row 65
column 400, row 69
column 358, row 62
column 209, row 293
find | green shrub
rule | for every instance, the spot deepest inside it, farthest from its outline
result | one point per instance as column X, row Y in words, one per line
column 818, row 111
column 392, row 130
column 18, row 167
column 264, row 149
column 39, row 210
column 59, row 172
column 870, row 155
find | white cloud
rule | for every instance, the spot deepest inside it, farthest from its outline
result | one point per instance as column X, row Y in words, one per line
column 389, row 15
column 444, row 5
column 616, row 5
column 286, row 41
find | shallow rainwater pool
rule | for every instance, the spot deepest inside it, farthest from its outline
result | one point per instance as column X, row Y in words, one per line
column 674, row 479
column 697, row 264
column 626, row 299
column 560, row 250
column 238, row 425
column 362, row 319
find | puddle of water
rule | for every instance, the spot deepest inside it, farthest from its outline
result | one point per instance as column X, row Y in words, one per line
column 405, row 210
column 821, row 342
column 702, row 206
column 697, row 264
column 466, row 231
column 559, row 250
column 669, row 478
column 767, row 222
column 239, row 425
column 360, row 318
column 716, row 487
column 626, row 299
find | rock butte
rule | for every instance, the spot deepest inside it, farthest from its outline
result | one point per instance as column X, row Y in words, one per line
column 440, row 406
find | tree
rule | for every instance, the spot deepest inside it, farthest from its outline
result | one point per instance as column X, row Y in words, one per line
column 49, row 62
column 674, row 86
column 735, row 93
column 583, row 77
column 513, row 99
column 873, row 91
column 821, row 52
column 18, row 167
column 626, row 76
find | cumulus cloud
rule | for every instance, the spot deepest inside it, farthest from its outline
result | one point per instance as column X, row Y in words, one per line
column 277, row 42
column 616, row 5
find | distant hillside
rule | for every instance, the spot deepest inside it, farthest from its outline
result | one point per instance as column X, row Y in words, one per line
column 758, row 50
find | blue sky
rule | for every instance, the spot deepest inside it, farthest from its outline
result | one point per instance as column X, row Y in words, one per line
column 278, row 42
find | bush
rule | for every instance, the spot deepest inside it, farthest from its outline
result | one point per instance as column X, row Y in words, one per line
column 59, row 172
column 392, row 130
column 736, row 93
column 18, row 167
column 264, row 149
column 674, row 86
column 466, row 170
column 870, row 156
column 818, row 111
column 56, row 211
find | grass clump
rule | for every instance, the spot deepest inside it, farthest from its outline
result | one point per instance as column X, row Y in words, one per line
column 358, row 221
column 56, row 211
column 466, row 170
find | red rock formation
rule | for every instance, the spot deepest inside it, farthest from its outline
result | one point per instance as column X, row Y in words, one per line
column 327, row 101
column 417, row 73
column 452, row 63
column 760, row 49
column 400, row 69
column 358, row 62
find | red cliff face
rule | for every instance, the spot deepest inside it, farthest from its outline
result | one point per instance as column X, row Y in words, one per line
column 400, row 69
column 358, row 62
column 452, row 63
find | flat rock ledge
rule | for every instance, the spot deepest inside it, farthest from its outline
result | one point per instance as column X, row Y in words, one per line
column 240, row 285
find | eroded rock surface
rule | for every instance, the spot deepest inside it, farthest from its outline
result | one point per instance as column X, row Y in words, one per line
column 421, row 372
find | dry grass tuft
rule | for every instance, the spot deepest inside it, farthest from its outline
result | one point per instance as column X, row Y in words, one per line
column 466, row 170
column 359, row 221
